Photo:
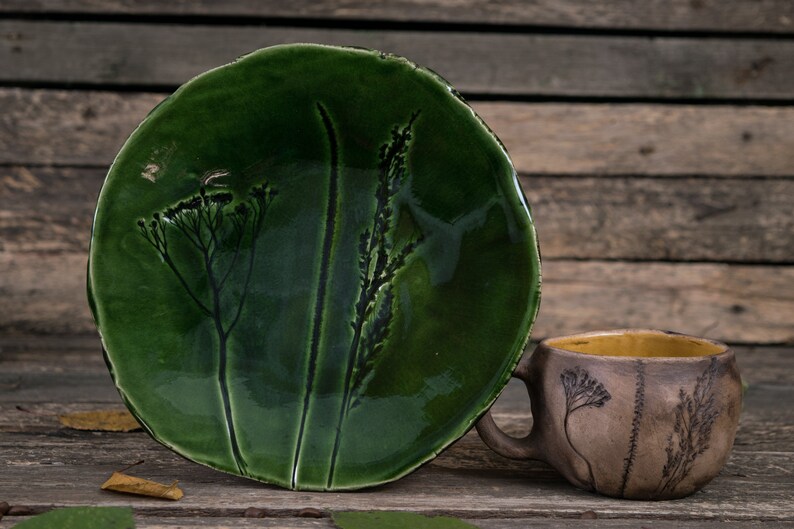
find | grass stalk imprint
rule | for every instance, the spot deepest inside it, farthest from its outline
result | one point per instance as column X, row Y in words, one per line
column 639, row 405
column 379, row 260
column 695, row 415
column 322, row 281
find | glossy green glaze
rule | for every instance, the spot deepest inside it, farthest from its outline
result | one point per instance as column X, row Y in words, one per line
column 312, row 267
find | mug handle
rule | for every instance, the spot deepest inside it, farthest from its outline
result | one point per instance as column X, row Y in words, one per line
column 502, row 443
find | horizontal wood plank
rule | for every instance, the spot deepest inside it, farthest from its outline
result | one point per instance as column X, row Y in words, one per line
column 637, row 139
column 30, row 355
column 707, row 15
column 162, row 522
column 68, row 471
column 31, row 403
column 87, row 128
column 731, row 303
column 735, row 303
column 685, row 219
column 158, row 522
column 41, row 378
column 468, row 457
column 467, row 480
column 481, row 63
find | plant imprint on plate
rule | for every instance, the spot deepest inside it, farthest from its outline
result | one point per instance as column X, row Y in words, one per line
column 206, row 222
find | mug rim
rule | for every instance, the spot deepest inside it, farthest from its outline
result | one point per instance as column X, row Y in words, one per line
column 725, row 350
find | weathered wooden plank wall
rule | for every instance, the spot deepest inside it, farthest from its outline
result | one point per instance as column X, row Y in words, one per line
column 655, row 140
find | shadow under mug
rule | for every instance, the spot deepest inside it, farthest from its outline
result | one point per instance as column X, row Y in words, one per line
column 632, row 413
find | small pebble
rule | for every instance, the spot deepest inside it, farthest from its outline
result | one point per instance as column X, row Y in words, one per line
column 254, row 512
column 20, row 510
column 4, row 507
column 310, row 512
column 589, row 515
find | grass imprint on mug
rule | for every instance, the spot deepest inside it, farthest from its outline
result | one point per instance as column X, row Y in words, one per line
column 695, row 415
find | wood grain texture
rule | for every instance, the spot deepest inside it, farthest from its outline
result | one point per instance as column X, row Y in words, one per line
column 687, row 219
column 730, row 303
column 62, row 467
column 637, row 139
column 627, row 181
column 67, row 472
column 88, row 127
column 161, row 522
column 735, row 303
column 481, row 63
column 50, row 210
column 81, row 354
column 710, row 15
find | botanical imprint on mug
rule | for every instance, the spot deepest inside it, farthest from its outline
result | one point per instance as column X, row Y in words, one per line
column 215, row 230
column 695, row 415
column 582, row 391
column 639, row 406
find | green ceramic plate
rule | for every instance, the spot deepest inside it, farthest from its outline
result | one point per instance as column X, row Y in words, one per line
column 312, row 267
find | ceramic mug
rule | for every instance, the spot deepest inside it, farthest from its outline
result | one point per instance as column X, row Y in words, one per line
column 633, row 413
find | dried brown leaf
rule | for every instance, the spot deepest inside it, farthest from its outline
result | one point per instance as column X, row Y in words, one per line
column 120, row 482
column 101, row 421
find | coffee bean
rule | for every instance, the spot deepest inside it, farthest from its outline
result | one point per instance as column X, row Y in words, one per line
column 310, row 512
column 254, row 512
column 20, row 510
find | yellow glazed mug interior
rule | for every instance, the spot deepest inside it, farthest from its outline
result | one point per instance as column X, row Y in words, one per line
column 643, row 343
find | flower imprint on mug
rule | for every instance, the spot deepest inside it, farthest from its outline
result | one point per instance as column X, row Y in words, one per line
column 695, row 415
column 582, row 391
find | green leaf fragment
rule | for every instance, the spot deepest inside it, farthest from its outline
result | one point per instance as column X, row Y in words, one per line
column 82, row 518
column 396, row 520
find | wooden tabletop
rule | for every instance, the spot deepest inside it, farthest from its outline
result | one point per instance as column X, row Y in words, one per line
column 45, row 465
